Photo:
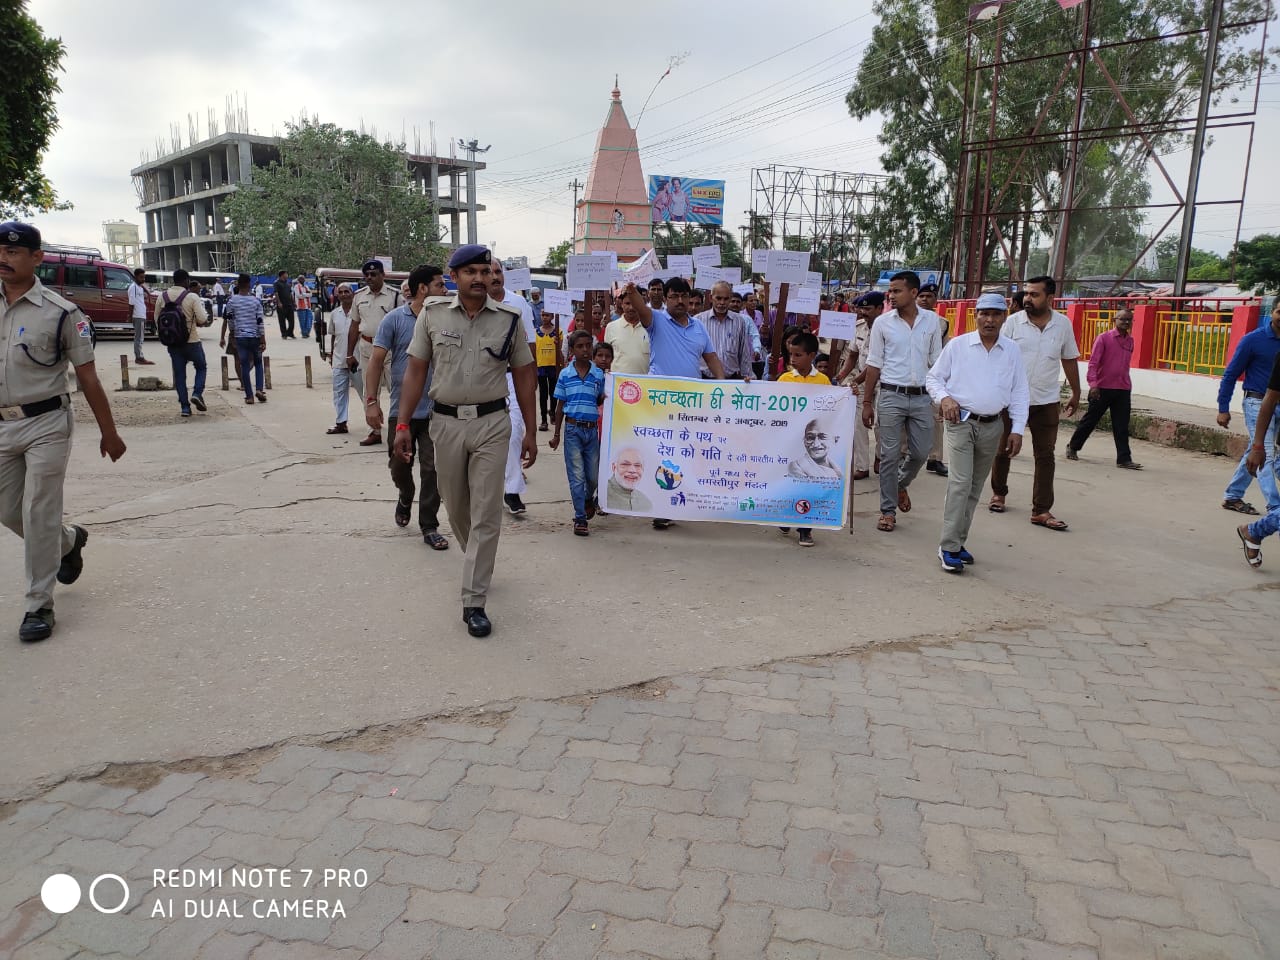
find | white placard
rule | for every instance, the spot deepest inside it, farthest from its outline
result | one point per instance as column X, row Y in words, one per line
column 787, row 266
column 682, row 264
column 706, row 257
column 744, row 288
column 578, row 295
column 836, row 325
column 589, row 273
column 518, row 279
column 803, row 300
column 759, row 260
column 731, row 275
column 643, row 270
column 813, row 280
column 709, row 276
column 557, row 302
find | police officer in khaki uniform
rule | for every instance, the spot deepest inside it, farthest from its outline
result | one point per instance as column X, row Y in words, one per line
column 374, row 301
column 470, row 341
column 39, row 333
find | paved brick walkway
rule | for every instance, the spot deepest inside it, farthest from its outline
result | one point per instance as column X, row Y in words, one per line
column 1107, row 788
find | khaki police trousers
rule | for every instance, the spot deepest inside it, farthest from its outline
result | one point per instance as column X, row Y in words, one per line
column 33, row 468
column 471, row 458
column 364, row 353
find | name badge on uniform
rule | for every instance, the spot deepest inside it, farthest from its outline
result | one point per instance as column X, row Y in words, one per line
column 451, row 335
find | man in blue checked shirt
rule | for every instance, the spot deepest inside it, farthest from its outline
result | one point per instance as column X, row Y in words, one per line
column 579, row 393
column 1254, row 358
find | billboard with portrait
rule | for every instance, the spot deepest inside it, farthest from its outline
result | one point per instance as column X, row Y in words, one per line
column 686, row 200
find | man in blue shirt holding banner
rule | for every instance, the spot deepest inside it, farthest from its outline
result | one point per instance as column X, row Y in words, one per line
column 677, row 341
column 1254, row 358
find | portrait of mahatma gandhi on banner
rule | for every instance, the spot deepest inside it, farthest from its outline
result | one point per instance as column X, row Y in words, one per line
column 819, row 443
column 628, row 472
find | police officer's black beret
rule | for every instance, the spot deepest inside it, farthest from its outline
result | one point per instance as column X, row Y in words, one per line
column 468, row 254
column 872, row 298
column 929, row 288
column 15, row 234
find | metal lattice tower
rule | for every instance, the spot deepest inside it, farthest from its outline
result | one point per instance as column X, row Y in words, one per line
column 833, row 211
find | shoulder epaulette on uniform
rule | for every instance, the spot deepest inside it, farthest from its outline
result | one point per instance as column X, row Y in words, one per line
column 514, row 311
column 434, row 301
column 60, row 302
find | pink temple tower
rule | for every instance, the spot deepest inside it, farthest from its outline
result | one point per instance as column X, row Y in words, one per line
column 614, row 212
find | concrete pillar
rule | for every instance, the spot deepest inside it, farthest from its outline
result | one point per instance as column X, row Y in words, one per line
column 232, row 163
column 179, row 171
column 1144, row 337
column 473, row 229
column 454, row 227
column 164, row 184
column 246, row 162
column 216, row 172
column 168, row 221
column 151, row 226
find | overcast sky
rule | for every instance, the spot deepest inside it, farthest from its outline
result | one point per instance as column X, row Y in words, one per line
column 531, row 79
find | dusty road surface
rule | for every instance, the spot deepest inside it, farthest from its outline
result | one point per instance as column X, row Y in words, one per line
column 691, row 743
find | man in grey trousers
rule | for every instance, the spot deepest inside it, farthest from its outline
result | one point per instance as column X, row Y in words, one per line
column 905, row 342
column 978, row 376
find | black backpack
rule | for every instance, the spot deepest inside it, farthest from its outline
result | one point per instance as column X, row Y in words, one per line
column 171, row 325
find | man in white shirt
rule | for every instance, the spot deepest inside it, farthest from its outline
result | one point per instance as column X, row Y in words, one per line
column 344, row 378
column 629, row 339
column 1048, row 344
column 138, row 311
column 904, row 344
column 219, row 296
column 978, row 379
column 514, row 482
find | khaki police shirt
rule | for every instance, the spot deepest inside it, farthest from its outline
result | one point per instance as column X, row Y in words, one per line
column 32, row 322
column 368, row 308
column 192, row 309
column 463, row 372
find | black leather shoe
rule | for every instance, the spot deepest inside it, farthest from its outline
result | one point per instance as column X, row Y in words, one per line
column 197, row 401
column 36, row 626
column 72, row 563
column 478, row 624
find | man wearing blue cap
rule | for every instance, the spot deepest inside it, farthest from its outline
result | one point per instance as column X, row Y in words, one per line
column 40, row 333
column 470, row 341
column 976, row 380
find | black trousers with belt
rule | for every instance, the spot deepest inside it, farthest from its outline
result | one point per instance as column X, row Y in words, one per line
column 1117, row 401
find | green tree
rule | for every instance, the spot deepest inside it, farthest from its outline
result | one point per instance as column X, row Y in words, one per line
column 558, row 256
column 1258, row 262
column 28, row 114
column 669, row 238
column 913, row 74
column 335, row 197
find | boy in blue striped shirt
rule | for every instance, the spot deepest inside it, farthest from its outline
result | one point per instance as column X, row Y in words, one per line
column 579, row 393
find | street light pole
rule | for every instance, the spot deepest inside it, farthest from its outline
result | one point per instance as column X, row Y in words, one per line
column 472, row 147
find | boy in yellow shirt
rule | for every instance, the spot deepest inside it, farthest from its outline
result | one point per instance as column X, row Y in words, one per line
column 547, row 355
column 803, row 351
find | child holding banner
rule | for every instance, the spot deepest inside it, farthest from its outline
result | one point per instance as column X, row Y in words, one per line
column 580, row 392
column 803, row 351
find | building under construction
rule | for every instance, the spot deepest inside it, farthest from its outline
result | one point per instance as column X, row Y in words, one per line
column 181, row 195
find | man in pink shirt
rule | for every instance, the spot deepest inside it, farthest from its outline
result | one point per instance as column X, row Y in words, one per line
column 1109, row 389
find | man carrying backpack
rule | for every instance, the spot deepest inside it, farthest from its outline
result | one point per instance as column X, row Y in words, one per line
column 179, row 314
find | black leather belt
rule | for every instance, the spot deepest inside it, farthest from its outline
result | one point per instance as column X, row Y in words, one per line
column 909, row 391
column 985, row 418
column 469, row 411
column 580, row 423
column 21, row 411
column 1253, row 395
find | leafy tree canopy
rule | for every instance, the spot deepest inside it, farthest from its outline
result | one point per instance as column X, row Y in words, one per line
column 913, row 75
column 28, row 114
column 1258, row 262
column 558, row 256
column 334, row 198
